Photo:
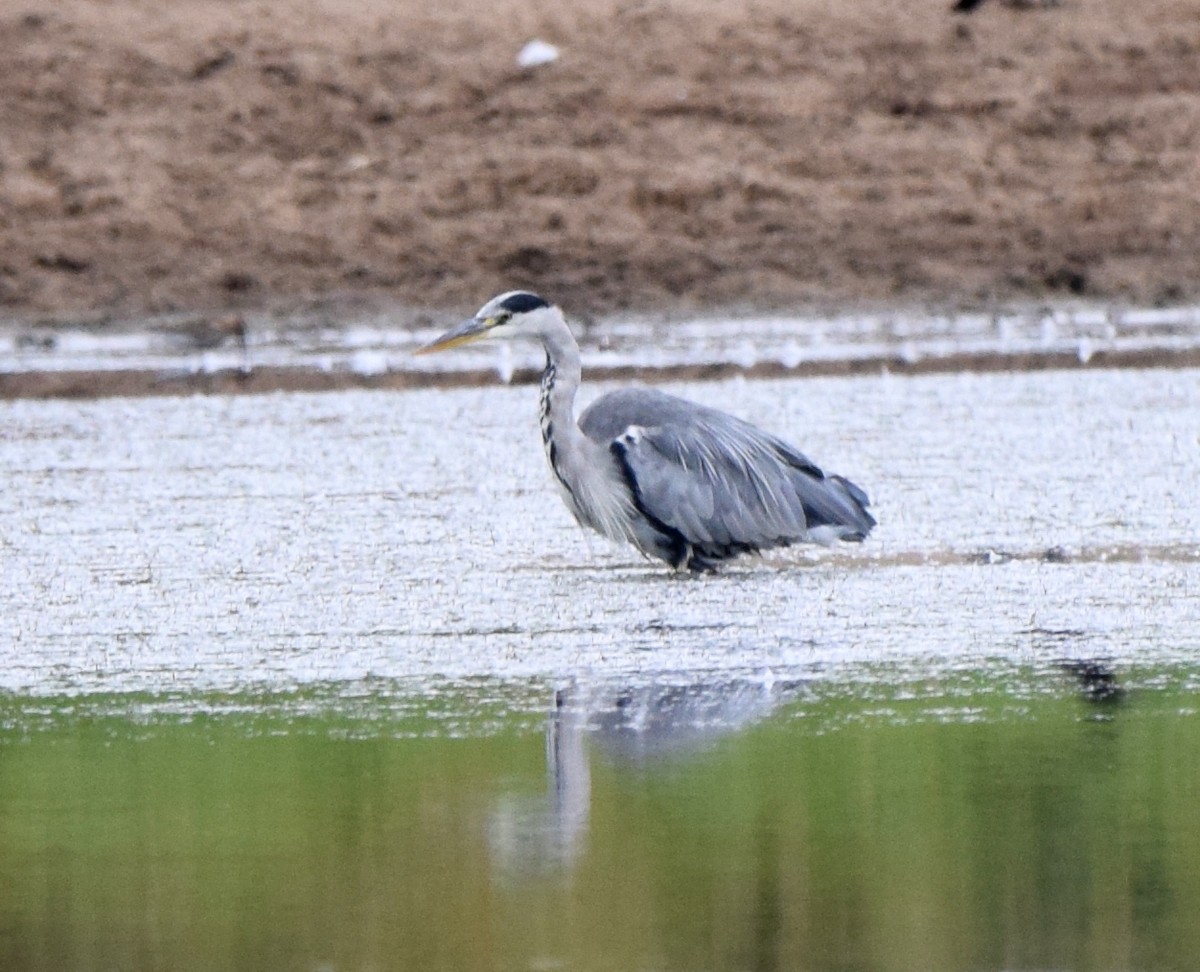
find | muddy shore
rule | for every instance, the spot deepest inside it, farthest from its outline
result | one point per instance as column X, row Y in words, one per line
column 157, row 158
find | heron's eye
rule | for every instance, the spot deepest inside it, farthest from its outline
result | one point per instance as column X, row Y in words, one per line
column 502, row 318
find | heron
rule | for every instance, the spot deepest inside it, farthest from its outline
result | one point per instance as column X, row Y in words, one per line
column 684, row 483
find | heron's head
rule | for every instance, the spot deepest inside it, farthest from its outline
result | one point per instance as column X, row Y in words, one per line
column 517, row 313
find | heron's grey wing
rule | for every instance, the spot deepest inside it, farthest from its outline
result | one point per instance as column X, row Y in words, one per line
column 717, row 482
column 829, row 500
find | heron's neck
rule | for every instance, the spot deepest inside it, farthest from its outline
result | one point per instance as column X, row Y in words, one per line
column 583, row 468
column 560, row 382
column 565, row 444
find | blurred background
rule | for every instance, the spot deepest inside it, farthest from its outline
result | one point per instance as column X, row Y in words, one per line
column 675, row 155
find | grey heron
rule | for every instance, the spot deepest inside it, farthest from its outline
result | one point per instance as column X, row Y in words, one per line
column 682, row 482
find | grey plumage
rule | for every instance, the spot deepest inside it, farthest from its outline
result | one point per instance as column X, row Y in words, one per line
column 688, row 484
column 718, row 484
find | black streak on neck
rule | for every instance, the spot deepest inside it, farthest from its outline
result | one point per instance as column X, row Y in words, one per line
column 547, row 422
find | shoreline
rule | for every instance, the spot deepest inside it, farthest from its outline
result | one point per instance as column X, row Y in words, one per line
column 371, row 353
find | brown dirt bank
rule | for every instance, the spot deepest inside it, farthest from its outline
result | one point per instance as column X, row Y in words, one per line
column 160, row 155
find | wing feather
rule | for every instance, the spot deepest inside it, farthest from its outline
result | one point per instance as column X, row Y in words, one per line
column 723, row 485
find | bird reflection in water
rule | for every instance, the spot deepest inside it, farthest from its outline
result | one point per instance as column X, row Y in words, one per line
column 1097, row 680
column 634, row 726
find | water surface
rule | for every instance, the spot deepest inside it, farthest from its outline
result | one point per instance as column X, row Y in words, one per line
column 1000, row 820
column 334, row 682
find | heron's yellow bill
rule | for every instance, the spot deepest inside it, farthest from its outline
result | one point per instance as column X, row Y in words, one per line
column 463, row 333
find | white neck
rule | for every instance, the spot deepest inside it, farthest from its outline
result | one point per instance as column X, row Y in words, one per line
column 585, row 472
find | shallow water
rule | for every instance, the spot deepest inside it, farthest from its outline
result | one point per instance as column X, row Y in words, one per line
column 334, row 682
column 208, row 544
column 181, row 354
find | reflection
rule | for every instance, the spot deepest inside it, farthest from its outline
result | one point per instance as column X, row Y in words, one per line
column 1096, row 676
column 640, row 725
column 869, row 823
column 1097, row 679
column 534, row 834
column 627, row 724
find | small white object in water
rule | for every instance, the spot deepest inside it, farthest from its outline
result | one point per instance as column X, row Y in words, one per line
column 369, row 361
column 791, row 354
column 536, row 53
column 504, row 364
column 1049, row 330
